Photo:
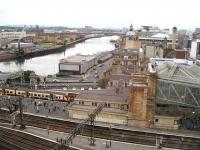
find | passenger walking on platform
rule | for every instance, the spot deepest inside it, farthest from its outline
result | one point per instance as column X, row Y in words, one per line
column 44, row 104
column 37, row 108
column 54, row 108
column 35, row 103
column 48, row 130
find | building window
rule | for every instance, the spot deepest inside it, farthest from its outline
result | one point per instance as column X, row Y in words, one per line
column 175, row 122
column 125, row 57
column 82, row 103
column 157, row 120
column 108, row 105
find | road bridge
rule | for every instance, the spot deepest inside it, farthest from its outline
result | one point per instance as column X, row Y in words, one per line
column 105, row 33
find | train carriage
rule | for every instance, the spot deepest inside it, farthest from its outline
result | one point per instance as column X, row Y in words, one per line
column 1, row 91
column 46, row 95
column 58, row 96
column 40, row 95
column 69, row 97
column 10, row 91
column 22, row 92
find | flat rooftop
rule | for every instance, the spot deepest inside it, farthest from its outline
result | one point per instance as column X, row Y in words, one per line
column 103, row 95
column 127, row 52
column 78, row 58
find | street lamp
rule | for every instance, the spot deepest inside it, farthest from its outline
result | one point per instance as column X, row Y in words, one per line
column 159, row 141
column 110, row 135
column 47, row 125
column 182, row 139
column 108, row 145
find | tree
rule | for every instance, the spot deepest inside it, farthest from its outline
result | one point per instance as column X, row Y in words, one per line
column 26, row 75
column 8, row 81
column 102, row 83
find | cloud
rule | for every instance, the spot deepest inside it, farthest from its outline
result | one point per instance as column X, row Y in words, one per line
column 101, row 13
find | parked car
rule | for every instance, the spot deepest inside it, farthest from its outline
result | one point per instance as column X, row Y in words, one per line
column 101, row 65
column 96, row 76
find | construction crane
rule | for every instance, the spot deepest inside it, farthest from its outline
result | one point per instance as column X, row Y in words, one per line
column 77, row 130
column 20, row 50
column 21, row 56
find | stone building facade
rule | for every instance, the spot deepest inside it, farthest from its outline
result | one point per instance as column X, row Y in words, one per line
column 142, row 92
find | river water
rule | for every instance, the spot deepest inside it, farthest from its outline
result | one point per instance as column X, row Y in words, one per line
column 45, row 65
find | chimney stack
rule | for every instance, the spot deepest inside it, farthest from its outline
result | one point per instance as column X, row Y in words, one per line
column 174, row 32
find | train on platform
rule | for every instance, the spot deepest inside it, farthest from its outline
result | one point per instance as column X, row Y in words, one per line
column 37, row 94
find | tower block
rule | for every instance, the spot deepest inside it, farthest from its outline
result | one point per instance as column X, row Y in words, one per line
column 141, row 100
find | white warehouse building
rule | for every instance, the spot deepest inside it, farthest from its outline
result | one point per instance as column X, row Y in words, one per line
column 78, row 64
column 195, row 50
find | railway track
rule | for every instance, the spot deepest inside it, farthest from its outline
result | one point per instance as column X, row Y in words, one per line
column 17, row 140
column 117, row 134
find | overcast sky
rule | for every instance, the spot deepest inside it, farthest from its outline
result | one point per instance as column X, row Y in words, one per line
column 101, row 13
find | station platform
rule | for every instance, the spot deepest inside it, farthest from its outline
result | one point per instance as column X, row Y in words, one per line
column 82, row 142
column 184, row 133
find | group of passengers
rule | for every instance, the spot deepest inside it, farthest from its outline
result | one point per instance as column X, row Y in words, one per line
column 50, row 106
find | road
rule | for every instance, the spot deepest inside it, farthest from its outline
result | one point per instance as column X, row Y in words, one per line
column 89, row 76
column 100, row 69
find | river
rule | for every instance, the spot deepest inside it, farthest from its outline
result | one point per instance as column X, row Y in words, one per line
column 46, row 65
